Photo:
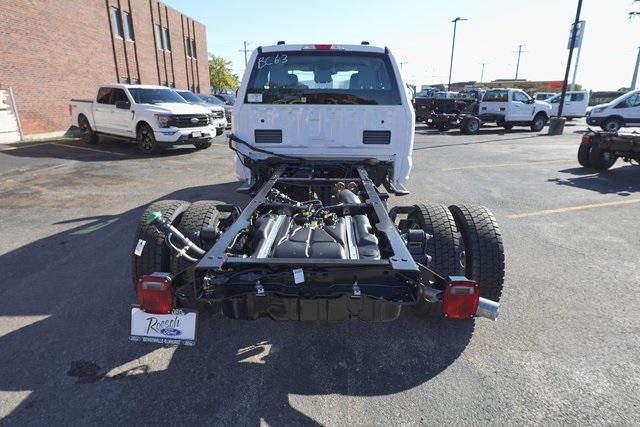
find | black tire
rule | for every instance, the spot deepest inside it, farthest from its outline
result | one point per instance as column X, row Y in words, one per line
column 443, row 246
column 598, row 159
column 88, row 135
column 219, row 131
column 507, row 126
column 443, row 127
column 483, row 251
column 147, row 141
column 200, row 215
column 583, row 155
column 470, row 125
column 611, row 124
column 202, row 145
column 538, row 122
column 156, row 255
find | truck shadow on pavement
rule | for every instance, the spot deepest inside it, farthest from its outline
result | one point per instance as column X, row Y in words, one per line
column 621, row 180
column 71, row 362
column 106, row 150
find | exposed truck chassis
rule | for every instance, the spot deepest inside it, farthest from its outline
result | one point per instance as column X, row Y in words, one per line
column 600, row 150
column 290, row 258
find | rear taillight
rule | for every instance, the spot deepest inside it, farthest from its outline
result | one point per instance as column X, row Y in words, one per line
column 586, row 138
column 154, row 293
column 70, row 110
column 461, row 297
column 322, row 46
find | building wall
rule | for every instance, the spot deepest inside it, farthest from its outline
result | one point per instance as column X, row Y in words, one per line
column 54, row 50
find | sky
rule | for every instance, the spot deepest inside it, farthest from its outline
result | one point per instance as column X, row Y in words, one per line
column 419, row 33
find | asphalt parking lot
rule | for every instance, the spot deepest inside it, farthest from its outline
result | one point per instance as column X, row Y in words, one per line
column 565, row 349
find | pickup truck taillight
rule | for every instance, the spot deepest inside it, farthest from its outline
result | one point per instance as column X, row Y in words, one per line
column 461, row 298
column 155, row 293
column 70, row 110
column 586, row 138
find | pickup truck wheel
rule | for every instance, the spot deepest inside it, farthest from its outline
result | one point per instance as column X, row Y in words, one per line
column 443, row 247
column 88, row 135
column 538, row 122
column 506, row 126
column 470, row 125
column 202, row 145
column 147, row 141
column 201, row 215
column 612, row 124
column 155, row 255
column 583, row 154
column 598, row 159
column 443, row 127
column 219, row 131
column 483, row 252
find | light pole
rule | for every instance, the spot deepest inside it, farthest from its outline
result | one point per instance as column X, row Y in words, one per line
column 520, row 51
column 453, row 46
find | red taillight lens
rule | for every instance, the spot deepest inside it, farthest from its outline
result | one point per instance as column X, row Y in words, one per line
column 155, row 294
column 586, row 138
column 461, row 297
column 70, row 110
column 322, row 46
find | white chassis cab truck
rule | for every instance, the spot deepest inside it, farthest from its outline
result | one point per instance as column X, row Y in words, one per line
column 513, row 107
column 154, row 116
column 323, row 135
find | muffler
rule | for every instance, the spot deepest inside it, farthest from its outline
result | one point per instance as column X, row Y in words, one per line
column 488, row 309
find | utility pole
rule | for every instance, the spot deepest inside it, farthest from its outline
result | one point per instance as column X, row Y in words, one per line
column 482, row 72
column 556, row 126
column 245, row 50
column 520, row 52
column 453, row 46
column 402, row 63
column 635, row 72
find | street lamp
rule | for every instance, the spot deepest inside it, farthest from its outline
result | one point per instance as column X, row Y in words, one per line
column 453, row 46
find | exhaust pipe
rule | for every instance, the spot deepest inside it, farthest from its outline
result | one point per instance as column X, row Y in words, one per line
column 488, row 309
column 348, row 197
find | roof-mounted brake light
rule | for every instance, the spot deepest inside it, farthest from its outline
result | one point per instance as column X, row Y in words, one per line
column 322, row 46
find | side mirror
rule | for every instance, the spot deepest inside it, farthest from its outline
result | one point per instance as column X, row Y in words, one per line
column 123, row 105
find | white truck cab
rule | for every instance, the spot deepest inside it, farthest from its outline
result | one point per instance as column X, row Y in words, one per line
column 575, row 104
column 325, row 102
column 622, row 111
column 154, row 116
column 513, row 107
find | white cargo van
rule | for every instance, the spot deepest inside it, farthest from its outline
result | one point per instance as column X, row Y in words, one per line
column 575, row 104
column 622, row 111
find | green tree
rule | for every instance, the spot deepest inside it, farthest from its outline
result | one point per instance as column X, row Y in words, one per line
column 220, row 74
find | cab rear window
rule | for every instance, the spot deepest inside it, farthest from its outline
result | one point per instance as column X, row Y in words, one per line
column 496, row 96
column 314, row 77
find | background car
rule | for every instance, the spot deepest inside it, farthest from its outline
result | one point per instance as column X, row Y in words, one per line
column 228, row 109
column 217, row 111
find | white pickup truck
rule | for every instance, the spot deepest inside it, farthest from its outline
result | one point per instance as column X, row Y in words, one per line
column 153, row 116
column 513, row 107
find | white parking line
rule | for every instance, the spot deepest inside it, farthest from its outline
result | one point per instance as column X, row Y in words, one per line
column 86, row 148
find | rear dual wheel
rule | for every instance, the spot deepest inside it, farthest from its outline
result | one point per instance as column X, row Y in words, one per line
column 466, row 240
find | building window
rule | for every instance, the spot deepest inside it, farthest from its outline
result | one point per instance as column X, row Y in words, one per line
column 190, row 47
column 128, row 26
column 163, row 42
column 116, row 22
column 187, row 46
column 158, row 36
column 166, row 41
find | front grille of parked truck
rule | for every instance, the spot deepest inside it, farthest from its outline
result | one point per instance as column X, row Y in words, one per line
column 190, row 121
column 217, row 114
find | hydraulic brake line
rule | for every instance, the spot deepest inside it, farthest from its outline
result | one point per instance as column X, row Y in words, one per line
column 232, row 137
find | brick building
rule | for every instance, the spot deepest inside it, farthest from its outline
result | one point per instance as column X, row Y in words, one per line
column 54, row 50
